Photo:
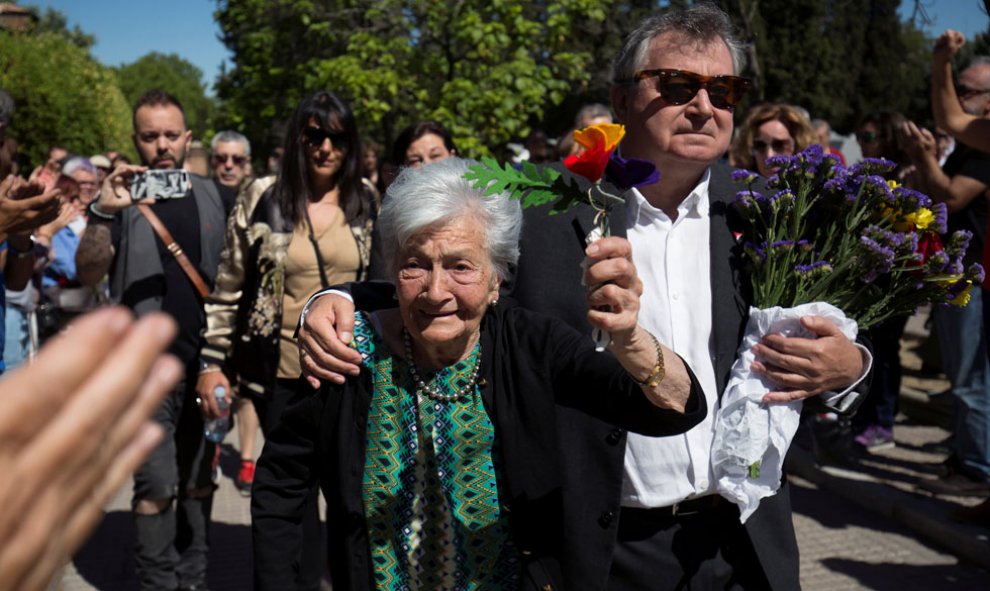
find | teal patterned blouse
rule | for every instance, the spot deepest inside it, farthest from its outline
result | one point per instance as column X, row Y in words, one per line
column 431, row 495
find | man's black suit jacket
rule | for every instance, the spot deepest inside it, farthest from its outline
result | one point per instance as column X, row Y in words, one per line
column 548, row 280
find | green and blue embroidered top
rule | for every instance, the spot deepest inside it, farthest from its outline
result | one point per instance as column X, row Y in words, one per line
column 430, row 489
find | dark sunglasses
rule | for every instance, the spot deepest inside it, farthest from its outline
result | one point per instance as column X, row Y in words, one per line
column 779, row 146
column 867, row 137
column 315, row 136
column 221, row 159
column 678, row 87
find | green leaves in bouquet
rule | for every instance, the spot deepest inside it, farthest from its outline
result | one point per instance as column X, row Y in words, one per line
column 533, row 186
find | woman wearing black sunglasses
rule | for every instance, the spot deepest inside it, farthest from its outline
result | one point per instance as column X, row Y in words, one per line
column 770, row 129
column 287, row 238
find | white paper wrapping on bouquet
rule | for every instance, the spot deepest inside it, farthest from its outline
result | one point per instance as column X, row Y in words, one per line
column 747, row 431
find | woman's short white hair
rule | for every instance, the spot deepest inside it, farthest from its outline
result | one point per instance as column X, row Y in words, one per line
column 435, row 195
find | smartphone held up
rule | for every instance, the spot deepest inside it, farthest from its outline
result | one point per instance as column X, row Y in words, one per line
column 160, row 184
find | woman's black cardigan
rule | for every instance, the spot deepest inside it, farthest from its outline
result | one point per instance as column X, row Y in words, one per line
column 530, row 362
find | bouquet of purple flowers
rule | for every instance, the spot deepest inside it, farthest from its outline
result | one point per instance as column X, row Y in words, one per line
column 844, row 243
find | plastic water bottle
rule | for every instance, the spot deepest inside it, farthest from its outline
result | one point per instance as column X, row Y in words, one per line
column 216, row 429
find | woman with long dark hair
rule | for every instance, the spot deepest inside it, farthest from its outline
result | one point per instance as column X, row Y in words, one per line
column 286, row 238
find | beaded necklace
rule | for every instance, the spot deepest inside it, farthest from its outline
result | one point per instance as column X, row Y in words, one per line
column 430, row 391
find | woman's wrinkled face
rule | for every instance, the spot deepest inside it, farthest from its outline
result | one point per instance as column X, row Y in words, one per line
column 325, row 150
column 445, row 283
column 428, row 148
column 771, row 139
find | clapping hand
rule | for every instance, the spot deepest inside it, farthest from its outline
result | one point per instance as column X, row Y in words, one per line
column 73, row 425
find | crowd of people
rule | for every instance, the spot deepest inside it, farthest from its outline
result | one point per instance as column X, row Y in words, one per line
column 418, row 349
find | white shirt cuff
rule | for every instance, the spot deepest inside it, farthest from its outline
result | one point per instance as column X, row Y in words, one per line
column 841, row 401
column 315, row 296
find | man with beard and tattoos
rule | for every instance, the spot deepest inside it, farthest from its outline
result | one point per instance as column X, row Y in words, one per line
column 173, row 489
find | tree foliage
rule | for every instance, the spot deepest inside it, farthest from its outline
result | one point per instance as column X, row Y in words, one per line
column 484, row 68
column 174, row 75
column 54, row 21
column 840, row 59
column 63, row 96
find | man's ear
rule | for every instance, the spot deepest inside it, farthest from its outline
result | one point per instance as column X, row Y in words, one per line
column 619, row 95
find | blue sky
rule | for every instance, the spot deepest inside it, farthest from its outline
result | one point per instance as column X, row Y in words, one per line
column 127, row 29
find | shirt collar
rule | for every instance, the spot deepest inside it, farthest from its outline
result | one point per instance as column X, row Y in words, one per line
column 695, row 205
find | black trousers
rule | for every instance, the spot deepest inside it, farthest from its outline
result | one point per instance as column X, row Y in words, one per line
column 311, row 564
column 707, row 550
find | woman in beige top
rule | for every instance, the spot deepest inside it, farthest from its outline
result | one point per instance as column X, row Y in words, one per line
column 309, row 229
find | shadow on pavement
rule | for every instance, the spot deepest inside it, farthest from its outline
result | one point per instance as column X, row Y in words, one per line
column 889, row 576
column 106, row 561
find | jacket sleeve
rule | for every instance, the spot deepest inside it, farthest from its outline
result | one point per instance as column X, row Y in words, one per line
column 596, row 382
column 221, row 304
column 286, row 475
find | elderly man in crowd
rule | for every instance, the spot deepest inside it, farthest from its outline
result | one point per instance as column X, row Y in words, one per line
column 148, row 275
column 231, row 168
column 231, row 159
column 641, row 512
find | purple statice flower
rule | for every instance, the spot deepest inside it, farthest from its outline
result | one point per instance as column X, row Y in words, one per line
column 782, row 245
column 877, row 259
column 909, row 244
column 911, row 200
column 741, row 175
column 838, row 183
column 941, row 223
column 938, row 262
column 630, row 172
column 955, row 267
column 812, row 155
column 755, row 252
column 815, row 269
column 877, row 185
column 976, row 274
column 958, row 243
column 779, row 161
column 872, row 166
column 884, row 237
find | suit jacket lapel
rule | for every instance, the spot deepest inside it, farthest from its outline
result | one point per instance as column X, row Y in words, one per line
column 729, row 308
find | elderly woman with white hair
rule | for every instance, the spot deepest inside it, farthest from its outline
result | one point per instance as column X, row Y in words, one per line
column 439, row 462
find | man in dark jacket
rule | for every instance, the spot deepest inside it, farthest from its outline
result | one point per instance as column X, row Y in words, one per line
column 641, row 512
column 146, row 275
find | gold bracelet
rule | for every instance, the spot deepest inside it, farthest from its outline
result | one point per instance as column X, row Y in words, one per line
column 659, row 371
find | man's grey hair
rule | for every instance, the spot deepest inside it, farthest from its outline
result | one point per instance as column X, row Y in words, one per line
column 6, row 107
column 589, row 112
column 438, row 193
column 229, row 135
column 703, row 23
column 75, row 163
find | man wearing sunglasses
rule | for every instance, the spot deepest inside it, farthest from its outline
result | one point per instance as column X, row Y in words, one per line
column 231, row 159
column 656, row 521
column 638, row 512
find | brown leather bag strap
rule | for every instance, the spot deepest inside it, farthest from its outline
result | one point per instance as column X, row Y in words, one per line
column 176, row 250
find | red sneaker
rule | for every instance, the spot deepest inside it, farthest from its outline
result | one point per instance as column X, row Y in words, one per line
column 245, row 478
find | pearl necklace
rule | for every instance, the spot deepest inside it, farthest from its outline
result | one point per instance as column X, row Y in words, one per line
column 432, row 392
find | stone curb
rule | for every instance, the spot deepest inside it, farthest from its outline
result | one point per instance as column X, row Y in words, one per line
column 927, row 518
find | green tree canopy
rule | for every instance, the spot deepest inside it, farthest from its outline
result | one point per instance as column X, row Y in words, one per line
column 54, row 21
column 482, row 67
column 174, row 75
column 63, row 96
